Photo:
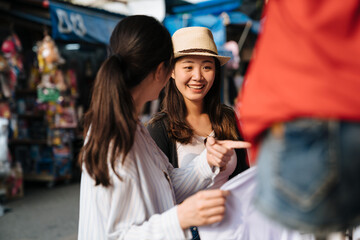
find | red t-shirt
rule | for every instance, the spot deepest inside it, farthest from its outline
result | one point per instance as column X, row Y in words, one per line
column 306, row 64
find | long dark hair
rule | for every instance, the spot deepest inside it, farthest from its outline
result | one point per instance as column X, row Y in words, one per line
column 222, row 117
column 138, row 44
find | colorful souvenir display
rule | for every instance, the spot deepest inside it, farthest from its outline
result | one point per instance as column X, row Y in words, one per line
column 40, row 113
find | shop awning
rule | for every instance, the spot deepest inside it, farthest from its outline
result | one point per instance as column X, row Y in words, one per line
column 77, row 23
column 213, row 22
column 72, row 22
column 155, row 8
column 201, row 7
column 216, row 23
column 35, row 11
column 242, row 18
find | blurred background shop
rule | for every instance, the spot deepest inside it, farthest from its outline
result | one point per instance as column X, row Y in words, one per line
column 50, row 53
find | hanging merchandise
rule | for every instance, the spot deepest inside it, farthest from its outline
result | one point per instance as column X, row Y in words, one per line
column 48, row 94
column 5, row 165
column 5, row 110
column 34, row 78
column 11, row 48
column 48, row 61
column 59, row 81
column 233, row 47
column 65, row 116
column 72, row 82
column 11, row 179
column 48, row 56
column 4, row 67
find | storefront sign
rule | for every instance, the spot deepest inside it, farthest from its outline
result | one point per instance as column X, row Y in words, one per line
column 76, row 23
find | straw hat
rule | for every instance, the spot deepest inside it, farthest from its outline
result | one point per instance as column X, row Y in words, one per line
column 197, row 41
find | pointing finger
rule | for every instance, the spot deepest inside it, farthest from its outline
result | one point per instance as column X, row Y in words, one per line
column 235, row 144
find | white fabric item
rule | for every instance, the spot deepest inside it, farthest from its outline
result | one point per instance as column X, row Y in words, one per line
column 4, row 154
column 187, row 152
column 356, row 233
column 142, row 205
column 242, row 221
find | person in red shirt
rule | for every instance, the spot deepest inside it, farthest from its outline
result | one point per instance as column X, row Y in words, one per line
column 300, row 108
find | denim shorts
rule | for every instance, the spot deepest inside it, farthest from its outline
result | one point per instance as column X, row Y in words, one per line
column 309, row 175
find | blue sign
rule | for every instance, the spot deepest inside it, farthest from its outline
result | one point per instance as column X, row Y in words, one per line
column 204, row 7
column 76, row 23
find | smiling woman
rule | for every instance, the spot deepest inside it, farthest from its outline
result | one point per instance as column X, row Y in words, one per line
column 192, row 110
column 194, row 76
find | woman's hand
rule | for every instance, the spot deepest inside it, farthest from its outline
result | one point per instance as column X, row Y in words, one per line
column 219, row 152
column 203, row 208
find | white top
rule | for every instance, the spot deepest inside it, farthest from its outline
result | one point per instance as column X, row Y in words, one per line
column 142, row 205
column 188, row 152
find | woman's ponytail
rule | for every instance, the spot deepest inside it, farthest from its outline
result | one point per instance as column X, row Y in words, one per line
column 111, row 114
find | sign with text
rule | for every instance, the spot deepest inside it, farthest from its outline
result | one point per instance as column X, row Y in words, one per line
column 77, row 23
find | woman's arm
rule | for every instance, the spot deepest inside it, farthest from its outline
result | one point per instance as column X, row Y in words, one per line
column 195, row 176
column 130, row 215
column 201, row 172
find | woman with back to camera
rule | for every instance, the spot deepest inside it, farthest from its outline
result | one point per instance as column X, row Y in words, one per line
column 128, row 188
